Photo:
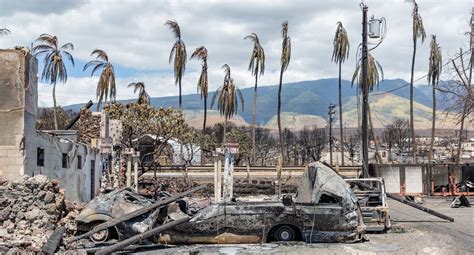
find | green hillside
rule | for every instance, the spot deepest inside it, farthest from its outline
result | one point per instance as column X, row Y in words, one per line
column 386, row 107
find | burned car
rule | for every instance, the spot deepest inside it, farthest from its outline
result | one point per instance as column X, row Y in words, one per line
column 324, row 210
column 114, row 205
column 372, row 201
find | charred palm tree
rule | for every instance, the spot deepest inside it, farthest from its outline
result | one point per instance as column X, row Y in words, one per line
column 228, row 97
column 106, row 85
column 375, row 75
column 4, row 31
column 339, row 55
column 178, row 56
column 285, row 61
column 418, row 32
column 256, row 67
column 139, row 87
column 201, row 54
column 434, row 70
column 54, row 63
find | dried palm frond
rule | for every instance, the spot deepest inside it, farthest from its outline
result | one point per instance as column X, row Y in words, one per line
column 226, row 68
column 341, row 44
column 286, row 46
column 54, row 68
column 4, row 31
column 178, row 51
column 54, row 65
column 106, row 87
column 374, row 73
column 435, row 61
column 201, row 54
column 228, row 96
column 257, row 58
column 139, row 87
column 418, row 29
column 174, row 27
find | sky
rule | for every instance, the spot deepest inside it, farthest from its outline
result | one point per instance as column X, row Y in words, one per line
column 133, row 34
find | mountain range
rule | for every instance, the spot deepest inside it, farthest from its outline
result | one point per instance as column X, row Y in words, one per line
column 306, row 103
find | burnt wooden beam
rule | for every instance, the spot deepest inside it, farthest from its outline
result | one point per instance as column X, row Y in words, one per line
column 53, row 241
column 132, row 247
column 141, row 211
column 142, row 236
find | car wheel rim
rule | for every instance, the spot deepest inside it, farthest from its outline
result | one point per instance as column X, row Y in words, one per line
column 100, row 236
column 285, row 235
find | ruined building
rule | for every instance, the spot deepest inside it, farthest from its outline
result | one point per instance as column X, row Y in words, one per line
column 27, row 151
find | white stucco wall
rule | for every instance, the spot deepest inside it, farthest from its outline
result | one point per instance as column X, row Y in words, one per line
column 76, row 182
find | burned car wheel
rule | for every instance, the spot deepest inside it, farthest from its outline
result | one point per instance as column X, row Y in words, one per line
column 285, row 233
column 100, row 236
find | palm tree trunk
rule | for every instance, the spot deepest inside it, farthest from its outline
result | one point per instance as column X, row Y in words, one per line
column 412, row 122
column 340, row 116
column 55, row 114
column 278, row 114
column 433, row 124
column 204, row 128
column 205, row 115
column 225, row 131
column 254, row 123
column 377, row 154
column 180, row 100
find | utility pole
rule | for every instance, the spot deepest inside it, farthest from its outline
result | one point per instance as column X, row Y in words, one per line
column 471, row 46
column 365, row 95
column 330, row 113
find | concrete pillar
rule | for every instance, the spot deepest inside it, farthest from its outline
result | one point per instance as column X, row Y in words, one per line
column 135, row 172
column 113, row 169
column 129, row 170
column 217, row 180
column 228, row 176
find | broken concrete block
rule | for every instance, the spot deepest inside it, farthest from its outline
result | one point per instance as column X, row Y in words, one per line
column 5, row 213
column 49, row 197
column 32, row 215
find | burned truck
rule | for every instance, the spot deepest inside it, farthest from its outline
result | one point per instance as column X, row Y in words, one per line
column 373, row 202
column 324, row 209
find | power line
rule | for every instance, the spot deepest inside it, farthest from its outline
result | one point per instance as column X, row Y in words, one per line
column 422, row 77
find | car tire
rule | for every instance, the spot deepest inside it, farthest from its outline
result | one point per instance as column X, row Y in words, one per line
column 285, row 234
column 100, row 236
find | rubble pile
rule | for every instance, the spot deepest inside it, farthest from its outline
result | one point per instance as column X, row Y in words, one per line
column 89, row 126
column 31, row 209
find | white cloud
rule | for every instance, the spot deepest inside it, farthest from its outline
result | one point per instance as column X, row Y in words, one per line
column 134, row 36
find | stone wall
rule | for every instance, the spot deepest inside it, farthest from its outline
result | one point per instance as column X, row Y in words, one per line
column 18, row 109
